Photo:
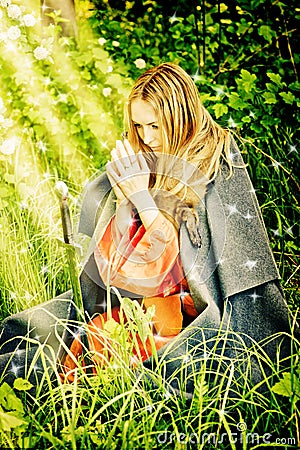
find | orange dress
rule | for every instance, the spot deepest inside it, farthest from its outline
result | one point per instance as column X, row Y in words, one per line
column 146, row 263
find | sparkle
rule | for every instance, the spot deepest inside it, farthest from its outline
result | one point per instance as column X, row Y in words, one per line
column 47, row 81
column 252, row 190
column 15, row 369
column 63, row 98
column 289, row 230
column 220, row 262
column 276, row 232
column 44, row 270
column 232, row 209
column 173, row 18
column 248, row 216
column 41, row 146
column 23, row 205
column 44, row 7
column 220, row 91
column 250, row 264
column 186, row 358
column 251, row 114
column 196, row 77
column 254, row 296
column 232, row 123
column 232, row 156
column 37, row 337
column 276, row 164
column 292, row 149
column 167, row 395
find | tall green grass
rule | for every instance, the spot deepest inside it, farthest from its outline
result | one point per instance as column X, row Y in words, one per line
column 122, row 407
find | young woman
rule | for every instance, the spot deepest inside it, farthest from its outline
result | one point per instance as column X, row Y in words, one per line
column 175, row 225
column 186, row 235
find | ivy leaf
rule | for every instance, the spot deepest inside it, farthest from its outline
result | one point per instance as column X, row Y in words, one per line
column 266, row 32
column 287, row 386
column 236, row 102
column 275, row 78
column 247, row 80
column 220, row 109
column 269, row 97
column 288, row 97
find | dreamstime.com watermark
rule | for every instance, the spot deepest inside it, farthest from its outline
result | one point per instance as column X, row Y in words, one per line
column 238, row 436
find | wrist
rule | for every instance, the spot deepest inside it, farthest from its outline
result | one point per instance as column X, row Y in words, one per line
column 146, row 206
column 143, row 200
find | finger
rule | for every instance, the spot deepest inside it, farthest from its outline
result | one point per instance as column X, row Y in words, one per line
column 119, row 164
column 130, row 152
column 123, row 154
column 142, row 162
column 113, row 176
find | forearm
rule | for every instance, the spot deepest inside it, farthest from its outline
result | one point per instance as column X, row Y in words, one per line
column 123, row 215
column 145, row 206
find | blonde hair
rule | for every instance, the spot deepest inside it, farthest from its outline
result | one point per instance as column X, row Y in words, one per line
column 189, row 133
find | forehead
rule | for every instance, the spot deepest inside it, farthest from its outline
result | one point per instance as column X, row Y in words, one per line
column 143, row 112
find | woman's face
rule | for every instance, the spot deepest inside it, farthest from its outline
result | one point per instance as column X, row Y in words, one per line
column 145, row 121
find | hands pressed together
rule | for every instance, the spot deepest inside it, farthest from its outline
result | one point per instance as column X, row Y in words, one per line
column 129, row 175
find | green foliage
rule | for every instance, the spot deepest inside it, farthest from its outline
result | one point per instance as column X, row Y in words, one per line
column 13, row 422
column 288, row 386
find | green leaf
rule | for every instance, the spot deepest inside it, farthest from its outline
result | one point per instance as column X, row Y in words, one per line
column 22, row 385
column 9, row 421
column 275, row 78
column 220, row 109
column 288, row 97
column 266, row 32
column 270, row 98
column 287, row 386
column 8, row 399
column 247, row 80
column 236, row 102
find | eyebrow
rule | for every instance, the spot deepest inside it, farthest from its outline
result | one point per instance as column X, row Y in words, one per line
column 150, row 123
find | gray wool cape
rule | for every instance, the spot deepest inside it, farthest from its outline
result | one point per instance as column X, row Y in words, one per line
column 233, row 280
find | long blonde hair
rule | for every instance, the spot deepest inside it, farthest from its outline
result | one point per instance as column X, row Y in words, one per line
column 189, row 133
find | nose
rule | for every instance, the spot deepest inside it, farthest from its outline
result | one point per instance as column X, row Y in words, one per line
column 148, row 135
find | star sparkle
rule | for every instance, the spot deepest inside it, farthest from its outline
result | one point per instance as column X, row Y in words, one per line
column 276, row 164
column 15, row 369
column 232, row 209
column 220, row 262
column 289, row 231
column 233, row 156
column 248, row 216
column 232, row 123
column 250, row 263
column 293, row 149
column 173, row 18
column 276, row 232
column 254, row 296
